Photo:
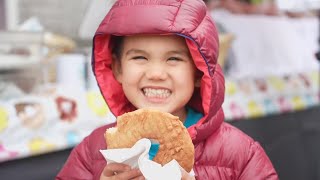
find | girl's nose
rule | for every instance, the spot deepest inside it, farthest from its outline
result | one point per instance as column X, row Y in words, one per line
column 156, row 71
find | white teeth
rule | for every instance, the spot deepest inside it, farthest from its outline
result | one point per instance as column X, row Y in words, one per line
column 159, row 93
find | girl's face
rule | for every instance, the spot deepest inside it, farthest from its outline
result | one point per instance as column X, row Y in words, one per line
column 156, row 72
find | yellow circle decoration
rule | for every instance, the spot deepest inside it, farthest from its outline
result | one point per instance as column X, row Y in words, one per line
column 4, row 119
column 38, row 145
column 97, row 104
column 231, row 88
column 277, row 83
column 254, row 109
column 298, row 103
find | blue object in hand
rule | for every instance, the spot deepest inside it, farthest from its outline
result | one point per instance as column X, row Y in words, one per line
column 153, row 149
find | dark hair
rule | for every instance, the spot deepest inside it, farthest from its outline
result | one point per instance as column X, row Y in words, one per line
column 116, row 46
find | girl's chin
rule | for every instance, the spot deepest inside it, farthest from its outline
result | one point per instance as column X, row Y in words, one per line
column 159, row 108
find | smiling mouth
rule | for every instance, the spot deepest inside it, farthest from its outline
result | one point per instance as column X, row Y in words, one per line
column 156, row 93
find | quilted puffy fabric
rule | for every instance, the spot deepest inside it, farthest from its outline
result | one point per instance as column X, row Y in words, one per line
column 221, row 151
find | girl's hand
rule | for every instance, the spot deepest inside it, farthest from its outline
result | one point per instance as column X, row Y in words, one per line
column 185, row 175
column 120, row 171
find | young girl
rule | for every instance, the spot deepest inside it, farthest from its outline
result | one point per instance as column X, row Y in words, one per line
column 162, row 54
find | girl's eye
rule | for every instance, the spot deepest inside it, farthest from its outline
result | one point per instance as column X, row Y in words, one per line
column 138, row 57
column 174, row 59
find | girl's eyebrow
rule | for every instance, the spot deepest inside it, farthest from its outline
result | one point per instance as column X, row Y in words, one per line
column 133, row 51
column 137, row 51
column 183, row 52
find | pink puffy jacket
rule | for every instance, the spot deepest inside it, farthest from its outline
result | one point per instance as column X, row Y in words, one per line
column 221, row 150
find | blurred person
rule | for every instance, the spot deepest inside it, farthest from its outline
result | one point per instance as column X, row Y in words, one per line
column 265, row 7
column 299, row 8
column 212, row 4
column 2, row 15
column 262, row 7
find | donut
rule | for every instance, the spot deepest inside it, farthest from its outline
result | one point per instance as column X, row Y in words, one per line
column 174, row 139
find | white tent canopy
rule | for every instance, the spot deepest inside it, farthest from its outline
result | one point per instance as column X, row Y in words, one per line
column 298, row 5
column 94, row 15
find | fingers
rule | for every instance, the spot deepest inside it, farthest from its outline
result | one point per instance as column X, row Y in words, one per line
column 185, row 175
column 132, row 174
column 139, row 178
column 115, row 168
column 120, row 171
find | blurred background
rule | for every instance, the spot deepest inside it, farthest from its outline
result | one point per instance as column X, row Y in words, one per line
column 49, row 99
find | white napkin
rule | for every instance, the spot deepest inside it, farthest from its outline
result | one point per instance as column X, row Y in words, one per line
column 138, row 157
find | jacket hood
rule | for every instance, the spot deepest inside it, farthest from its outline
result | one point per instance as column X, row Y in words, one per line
column 187, row 18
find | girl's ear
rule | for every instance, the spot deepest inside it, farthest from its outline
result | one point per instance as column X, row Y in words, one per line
column 198, row 77
column 116, row 68
column 197, row 82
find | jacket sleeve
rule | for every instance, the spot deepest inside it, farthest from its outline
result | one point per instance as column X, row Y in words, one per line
column 259, row 165
column 78, row 164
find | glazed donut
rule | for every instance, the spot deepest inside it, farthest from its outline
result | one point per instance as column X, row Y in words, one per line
column 168, row 130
